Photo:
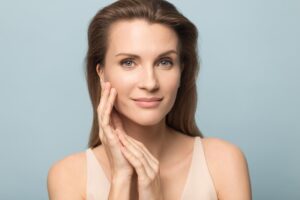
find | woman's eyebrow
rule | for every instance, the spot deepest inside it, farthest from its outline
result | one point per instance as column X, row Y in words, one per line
column 137, row 56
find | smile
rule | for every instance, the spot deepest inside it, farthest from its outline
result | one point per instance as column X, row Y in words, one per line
column 147, row 104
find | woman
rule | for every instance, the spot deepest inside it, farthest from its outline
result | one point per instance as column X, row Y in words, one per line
column 142, row 67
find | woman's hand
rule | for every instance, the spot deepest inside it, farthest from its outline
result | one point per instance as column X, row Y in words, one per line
column 146, row 166
column 109, row 124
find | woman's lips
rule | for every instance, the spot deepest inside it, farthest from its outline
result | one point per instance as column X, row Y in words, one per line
column 148, row 99
column 148, row 103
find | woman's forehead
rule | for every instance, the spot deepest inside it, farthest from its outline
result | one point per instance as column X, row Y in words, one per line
column 139, row 35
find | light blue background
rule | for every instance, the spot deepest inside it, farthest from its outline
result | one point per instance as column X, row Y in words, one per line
column 248, row 87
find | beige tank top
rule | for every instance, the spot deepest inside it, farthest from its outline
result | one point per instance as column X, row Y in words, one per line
column 199, row 184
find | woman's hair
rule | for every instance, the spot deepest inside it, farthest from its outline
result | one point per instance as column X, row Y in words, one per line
column 182, row 116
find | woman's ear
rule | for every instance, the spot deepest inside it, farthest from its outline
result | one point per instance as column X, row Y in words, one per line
column 100, row 72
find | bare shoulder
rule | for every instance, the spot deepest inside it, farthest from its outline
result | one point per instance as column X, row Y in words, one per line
column 219, row 148
column 228, row 167
column 67, row 178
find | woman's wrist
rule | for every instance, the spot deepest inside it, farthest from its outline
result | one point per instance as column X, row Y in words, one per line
column 120, row 179
column 120, row 188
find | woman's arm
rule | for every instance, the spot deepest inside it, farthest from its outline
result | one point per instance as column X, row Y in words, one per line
column 66, row 178
column 229, row 169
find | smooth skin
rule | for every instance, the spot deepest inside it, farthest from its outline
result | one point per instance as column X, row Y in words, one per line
column 143, row 158
column 121, row 169
column 135, row 156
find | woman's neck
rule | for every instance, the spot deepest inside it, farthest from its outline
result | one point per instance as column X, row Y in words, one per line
column 153, row 137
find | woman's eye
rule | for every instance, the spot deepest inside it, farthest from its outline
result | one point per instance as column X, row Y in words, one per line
column 126, row 63
column 166, row 62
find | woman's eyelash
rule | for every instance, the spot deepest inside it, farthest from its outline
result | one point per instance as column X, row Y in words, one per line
column 126, row 61
column 131, row 60
column 168, row 60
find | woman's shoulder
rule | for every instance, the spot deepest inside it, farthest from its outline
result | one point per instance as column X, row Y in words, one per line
column 67, row 177
column 69, row 164
column 227, row 164
column 218, row 151
column 220, row 147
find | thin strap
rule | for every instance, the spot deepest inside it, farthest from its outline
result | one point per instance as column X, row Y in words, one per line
column 210, row 183
column 187, row 182
column 200, row 185
column 96, row 163
column 97, row 182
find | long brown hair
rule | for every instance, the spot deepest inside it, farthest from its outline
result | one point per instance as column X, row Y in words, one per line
column 182, row 116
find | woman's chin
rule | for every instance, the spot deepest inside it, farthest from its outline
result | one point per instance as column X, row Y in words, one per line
column 144, row 118
column 147, row 122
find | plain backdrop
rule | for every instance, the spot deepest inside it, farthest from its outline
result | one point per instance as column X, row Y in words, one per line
column 248, row 88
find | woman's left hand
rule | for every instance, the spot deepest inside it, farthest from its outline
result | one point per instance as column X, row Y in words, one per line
column 146, row 167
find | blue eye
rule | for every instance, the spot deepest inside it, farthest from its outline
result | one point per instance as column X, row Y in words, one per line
column 166, row 62
column 126, row 63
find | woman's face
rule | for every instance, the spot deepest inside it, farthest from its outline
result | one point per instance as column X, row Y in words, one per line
column 142, row 61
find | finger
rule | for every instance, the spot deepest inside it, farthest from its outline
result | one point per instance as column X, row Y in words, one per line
column 117, row 120
column 103, row 100
column 100, row 107
column 145, row 150
column 152, row 161
column 106, row 115
column 138, row 153
column 102, row 85
column 136, row 163
column 109, row 106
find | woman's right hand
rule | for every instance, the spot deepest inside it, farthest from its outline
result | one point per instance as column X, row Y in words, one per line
column 109, row 124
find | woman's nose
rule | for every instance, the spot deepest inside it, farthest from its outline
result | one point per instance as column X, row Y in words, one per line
column 148, row 79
